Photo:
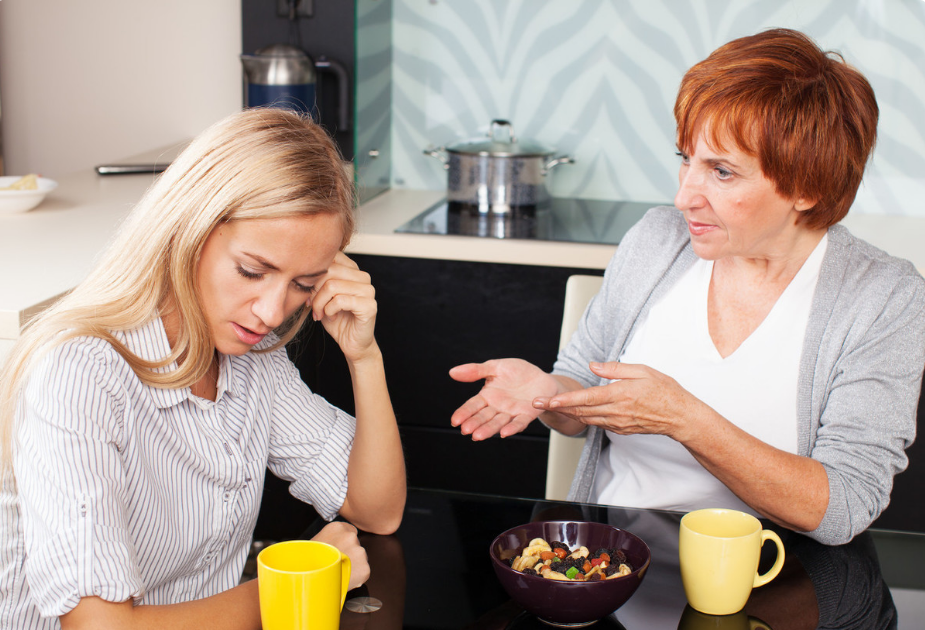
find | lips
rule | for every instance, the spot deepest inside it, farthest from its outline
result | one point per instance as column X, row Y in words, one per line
column 247, row 335
column 698, row 229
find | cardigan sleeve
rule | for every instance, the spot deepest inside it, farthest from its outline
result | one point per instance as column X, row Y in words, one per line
column 644, row 261
column 868, row 394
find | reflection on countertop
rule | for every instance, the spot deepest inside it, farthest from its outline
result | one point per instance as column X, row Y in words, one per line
column 562, row 219
column 435, row 573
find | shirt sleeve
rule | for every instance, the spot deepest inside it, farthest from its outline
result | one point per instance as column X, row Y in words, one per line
column 310, row 441
column 71, row 481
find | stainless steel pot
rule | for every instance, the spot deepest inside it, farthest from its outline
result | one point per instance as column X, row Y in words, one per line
column 497, row 174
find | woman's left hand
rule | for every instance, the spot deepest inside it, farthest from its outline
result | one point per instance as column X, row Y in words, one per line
column 344, row 537
column 639, row 400
column 345, row 304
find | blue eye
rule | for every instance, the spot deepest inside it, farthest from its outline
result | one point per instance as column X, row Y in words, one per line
column 723, row 173
column 685, row 159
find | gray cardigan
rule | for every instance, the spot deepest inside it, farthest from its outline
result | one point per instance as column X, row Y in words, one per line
column 860, row 372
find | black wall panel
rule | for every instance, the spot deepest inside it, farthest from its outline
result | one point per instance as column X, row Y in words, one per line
column 329, row 31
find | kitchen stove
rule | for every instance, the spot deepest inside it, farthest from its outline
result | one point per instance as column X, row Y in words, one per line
column 562, row 219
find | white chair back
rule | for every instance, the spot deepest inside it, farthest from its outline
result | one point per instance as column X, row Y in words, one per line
column 564, row 451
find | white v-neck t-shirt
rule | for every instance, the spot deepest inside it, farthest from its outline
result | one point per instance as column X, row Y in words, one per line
column 755, row 388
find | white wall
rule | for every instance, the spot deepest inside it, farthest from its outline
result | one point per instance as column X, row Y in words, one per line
column 90, row 81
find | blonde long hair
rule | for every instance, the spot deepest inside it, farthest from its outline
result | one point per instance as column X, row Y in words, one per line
column 255, row 164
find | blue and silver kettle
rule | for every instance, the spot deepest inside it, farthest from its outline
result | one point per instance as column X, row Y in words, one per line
column 282, row 75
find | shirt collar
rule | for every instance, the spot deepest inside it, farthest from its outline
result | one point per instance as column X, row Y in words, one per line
column 149, row 342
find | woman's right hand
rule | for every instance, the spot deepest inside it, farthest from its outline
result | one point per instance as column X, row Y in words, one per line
column 504, row 406
column 344, row 537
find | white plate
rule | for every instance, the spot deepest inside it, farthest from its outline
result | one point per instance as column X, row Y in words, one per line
column 23, row 200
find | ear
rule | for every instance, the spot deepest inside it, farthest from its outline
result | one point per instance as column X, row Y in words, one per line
column 802, row 204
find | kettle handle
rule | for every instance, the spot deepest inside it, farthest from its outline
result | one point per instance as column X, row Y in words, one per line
column 323, row 64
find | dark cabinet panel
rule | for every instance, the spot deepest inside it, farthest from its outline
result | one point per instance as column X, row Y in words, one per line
column 907, row 510
column 442, row 458
column 434, row 314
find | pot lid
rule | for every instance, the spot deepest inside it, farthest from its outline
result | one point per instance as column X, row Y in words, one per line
column 501, row 142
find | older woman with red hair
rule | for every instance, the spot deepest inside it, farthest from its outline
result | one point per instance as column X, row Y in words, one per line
column 745, row 350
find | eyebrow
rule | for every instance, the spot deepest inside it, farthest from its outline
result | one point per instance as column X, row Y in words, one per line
column 266, row 263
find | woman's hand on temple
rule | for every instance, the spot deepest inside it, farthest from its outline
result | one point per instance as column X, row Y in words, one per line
column 345, row 303
column 504, row 406
column 344, row 537
column 639, row 400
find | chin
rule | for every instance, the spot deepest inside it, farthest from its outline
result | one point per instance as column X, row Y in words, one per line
column 236, row 348
column 705, row 252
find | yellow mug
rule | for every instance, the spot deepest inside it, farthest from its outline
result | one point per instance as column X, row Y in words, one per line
column 719, row 552
column 302, row 584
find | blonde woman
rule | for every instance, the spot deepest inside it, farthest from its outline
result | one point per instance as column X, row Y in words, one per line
column 140, row 413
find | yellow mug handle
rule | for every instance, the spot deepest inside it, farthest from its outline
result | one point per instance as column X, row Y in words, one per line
column 761, row 580
column 345, row 577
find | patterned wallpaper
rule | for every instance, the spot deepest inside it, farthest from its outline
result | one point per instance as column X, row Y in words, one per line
column 596, row 79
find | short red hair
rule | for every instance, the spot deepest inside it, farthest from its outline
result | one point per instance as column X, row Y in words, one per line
column 809, row 117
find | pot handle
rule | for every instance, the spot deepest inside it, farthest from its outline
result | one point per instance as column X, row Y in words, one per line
column 562, row 159
column 438, row 153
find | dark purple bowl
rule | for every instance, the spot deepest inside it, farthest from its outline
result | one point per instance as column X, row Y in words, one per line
column 569, row 604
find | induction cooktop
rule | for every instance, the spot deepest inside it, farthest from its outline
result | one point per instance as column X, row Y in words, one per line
column 562, row 219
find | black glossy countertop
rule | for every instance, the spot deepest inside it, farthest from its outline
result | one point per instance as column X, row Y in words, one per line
column 435, row 572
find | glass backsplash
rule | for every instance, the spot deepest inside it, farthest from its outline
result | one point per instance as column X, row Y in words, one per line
column 373, row 97
column 596, row 79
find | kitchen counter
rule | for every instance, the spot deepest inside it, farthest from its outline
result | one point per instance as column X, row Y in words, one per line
column 55, row 245
column 52, row 247
column 379, row 217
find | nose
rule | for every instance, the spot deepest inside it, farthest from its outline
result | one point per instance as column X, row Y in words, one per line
column 690, row 192
column 270, row 307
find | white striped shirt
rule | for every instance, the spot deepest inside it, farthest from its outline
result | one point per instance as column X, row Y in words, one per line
column 128, row 491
